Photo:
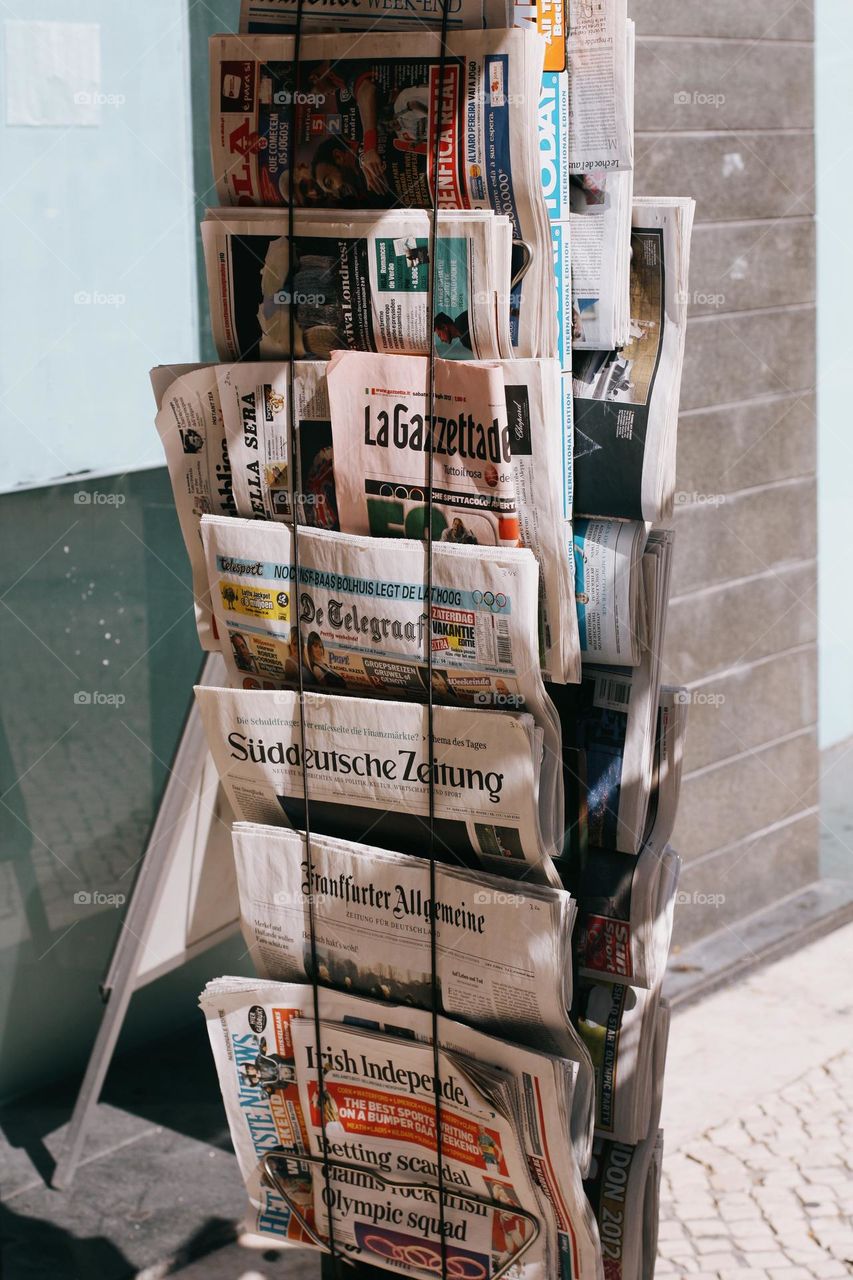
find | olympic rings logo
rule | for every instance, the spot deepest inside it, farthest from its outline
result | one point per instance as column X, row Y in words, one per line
column 426, row 1257
column 495, row 602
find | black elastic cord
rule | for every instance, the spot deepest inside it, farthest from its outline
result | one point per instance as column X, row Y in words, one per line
column 295, row 505
column 435, row 989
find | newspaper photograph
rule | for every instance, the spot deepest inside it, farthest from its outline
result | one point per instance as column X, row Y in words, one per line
column 368, row 774
column 370, row 907
column 366, row 127
column 359, row 281
column 626, row 401
column 249, row 1023
column 499, row 466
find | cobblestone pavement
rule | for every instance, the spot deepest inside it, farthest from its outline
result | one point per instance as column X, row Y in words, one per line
column 767, row 1195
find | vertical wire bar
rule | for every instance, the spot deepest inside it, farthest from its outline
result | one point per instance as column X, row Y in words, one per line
column 435, row 990
column 295, row 507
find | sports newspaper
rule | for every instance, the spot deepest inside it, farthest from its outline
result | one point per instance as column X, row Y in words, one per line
column 500, row 468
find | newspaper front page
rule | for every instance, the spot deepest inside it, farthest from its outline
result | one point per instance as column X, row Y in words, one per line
column 608, row 590
column 379, row 1100
column 368, row 774
column 499, row 468
column 626, row 400
column 359, row 281
column 601, row 104
column 249, row 1027
column 189, row 423
column 624, row 1183
column 367, row 121
column 371, row 907
column 625, row 919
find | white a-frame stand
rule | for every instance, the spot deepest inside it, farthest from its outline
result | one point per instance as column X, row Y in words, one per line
column 183, row 901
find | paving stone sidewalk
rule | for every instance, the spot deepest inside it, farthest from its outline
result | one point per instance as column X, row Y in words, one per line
column 767, row 1195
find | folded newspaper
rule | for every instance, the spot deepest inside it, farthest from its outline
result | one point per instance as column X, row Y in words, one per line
column 354, row 627
column 600, row 75
column 499, row 466
column 367, row 119
column 617, row 1024
column 624, row 1185
column 371, row 907
column 626, row 400
column 360, row 281
column 613, row 613
column 378, row 1114
column 626, row 903
column 189, row 423
column 225, row 431
column 368, row 774
column 609, row 730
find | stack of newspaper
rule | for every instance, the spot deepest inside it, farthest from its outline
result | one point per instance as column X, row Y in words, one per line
column 626, row 398
column 513, row 1195
column 420, row 537
column 586, row 143
column 501, row 447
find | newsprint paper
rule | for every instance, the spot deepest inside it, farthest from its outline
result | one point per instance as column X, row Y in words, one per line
column 368, row 774
column 266, row 1075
